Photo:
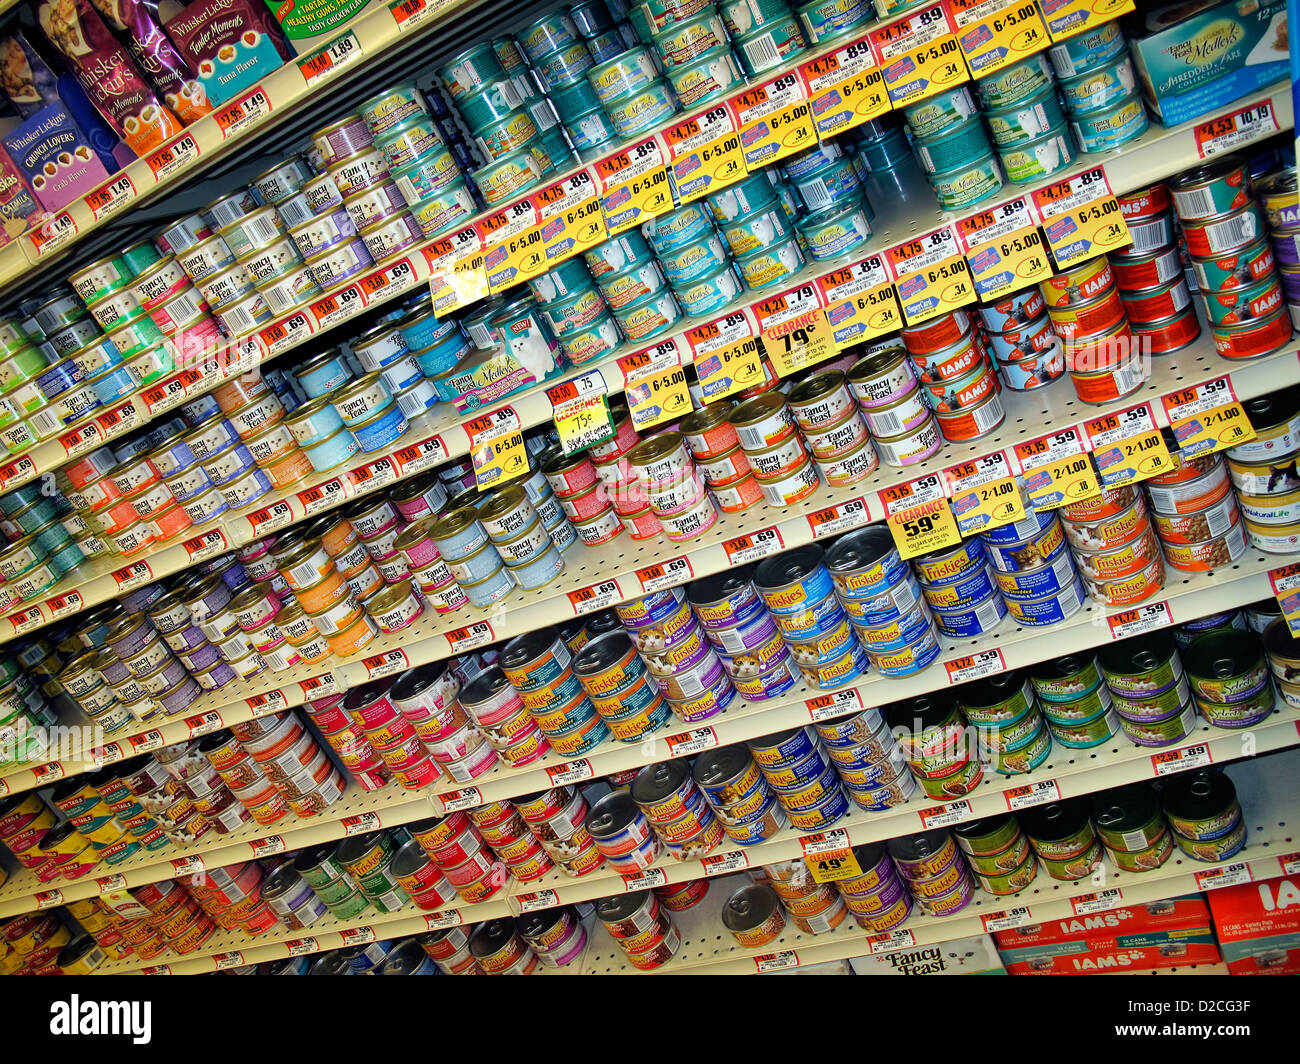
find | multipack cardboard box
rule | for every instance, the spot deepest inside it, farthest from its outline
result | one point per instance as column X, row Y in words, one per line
column 1258, row 925
column 1193, row 58
column 976, row 955
column 1186, row 911
column 1101, row 962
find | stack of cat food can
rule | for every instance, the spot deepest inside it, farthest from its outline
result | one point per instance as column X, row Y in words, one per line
column 677, row 653
column 540, row 668
column 1010, row 731
column 676, row 809
column 558, row 818
column 503, row 719
column 711, row 438
column 957, row 378
column 739, row 794
column 743, row 634
column 939, row 749
column 1063, row 839
column 870, row 764
column 1075, row 701
column 803, row 777
column 620, row 686
column 957, row 583
column 672, row 485
column 1149, row 689
column 1115, row 546
column 1149, row 273
column 1223, row 228
column 641, row 926
column 1263, row 472
column 1022, row 342
column 1034, row 569
column 1000, row 856
column 934, row 870
column 1087, row 314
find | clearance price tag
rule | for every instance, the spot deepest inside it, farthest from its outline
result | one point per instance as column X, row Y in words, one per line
column 845, row 88
column 654, row 384
column 581, row 412
column 1207, row 418
column 775, row 120
column 726, row 355
column 512, row 245
column 994, row 34
column 931, row 276
column 829, row 856
column 457, row 276
column 1081, row 218
column 919, row 56
column 706, row 153
column 1057, row 470
column 1127, row 446
column 860, row 302
column 984, row 494
column 1242, row 127
column 633, row 186
column 496, row 445
column 1286, row 589
column 794, row 328
column 1067, row 18
column 1004, row 249
column 919, row 516
column 569, row 217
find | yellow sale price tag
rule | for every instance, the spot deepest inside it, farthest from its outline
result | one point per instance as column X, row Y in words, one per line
column 583, row 422
column 845, row 88
column 860, row 302
column 1057, row 470
column 660, row 396
column 984, row 494
column 497, row 447
column 919, row 56
column 1004, row 249
column 633, row 186
column 795, row 331
column 726, row 353
column 730, row 368
column 829, row 856
column 1207, row 418
column 931, row 276
column 994, row 34
column 706, row 153
column 919, row 516
column 775, row 120
column 1128, row 447
column 921, row 529
column 457, row 275
column 1068, row 18
column 1081, row 218
column 1286, row 589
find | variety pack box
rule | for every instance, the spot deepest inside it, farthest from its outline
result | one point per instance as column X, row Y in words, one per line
column 1258, row 925
column 1195, row 57
column 976, row 955
column 1100, row 962
column 1175, row 931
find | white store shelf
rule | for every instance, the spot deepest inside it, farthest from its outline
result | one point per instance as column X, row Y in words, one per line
column 1074, row 772
column 1156, row 154
column 1269, row 792
column 431, row 636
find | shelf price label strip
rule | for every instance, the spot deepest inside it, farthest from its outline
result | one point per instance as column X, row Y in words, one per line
column 931, row 275
column 726, row 355
column 994, row 34
column 1207, row 418
column 1127, row 446
column 706, row 153
column 1230, row 132
column 1069, row 18
column 1004, row 249
column 845, row 88
column 919, row 56
column 633, row 185
column 1057, row 469
column 654, row 384
column 984, row 494
column 1081, row 218
column 859, row 302
column 775, row 120
column 919, row 516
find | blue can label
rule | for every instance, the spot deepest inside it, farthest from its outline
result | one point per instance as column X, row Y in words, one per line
column 976, row 619
column 1046, row 579
column 950, row 565
column 1037, row 613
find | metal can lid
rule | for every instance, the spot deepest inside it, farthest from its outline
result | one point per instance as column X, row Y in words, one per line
column 1202, row 794
column 612, row 814
column 1124, row 808
column 749, row 907
column 789, row 567
column 1141, row 654
column 656, row 782
column 721, row 765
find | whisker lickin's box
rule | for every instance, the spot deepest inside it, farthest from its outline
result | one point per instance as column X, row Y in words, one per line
column 1194, row 58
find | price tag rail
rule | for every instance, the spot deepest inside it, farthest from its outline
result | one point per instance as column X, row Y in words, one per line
column 429, row 637
column 1118, row 763
column 1265, row 791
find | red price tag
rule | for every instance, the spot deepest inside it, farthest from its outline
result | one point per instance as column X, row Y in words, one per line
column 478, row 634
column 286, row 333
column 596, row 597
column 754, row 546
column 132, row 576
column 839, row 518
column 205, row 546
column 417, row 457
column 174, row 157
column 836, row 704
column 665, row 574
column 110, row 198
column 1232, row 131
column 244, row 113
